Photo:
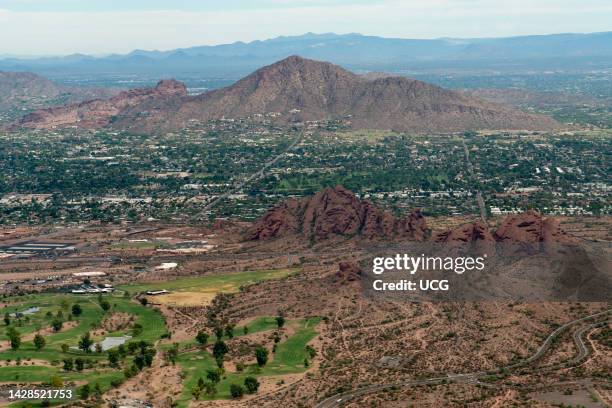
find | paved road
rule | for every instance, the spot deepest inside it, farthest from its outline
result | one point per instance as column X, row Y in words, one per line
column 583, row 350
column 544, row 347
column 67, row 259
column 255, row 176
column 339, row 399
column 479, row 199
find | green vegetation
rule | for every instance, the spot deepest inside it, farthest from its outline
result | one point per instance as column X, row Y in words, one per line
column 397, row 170
column 259, row 324
column 227, row 282
column 73, row 352
column 68, row 350
column 288, row 358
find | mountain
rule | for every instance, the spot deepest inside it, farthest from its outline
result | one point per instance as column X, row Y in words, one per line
column 336, row 212
column 17, row 88
column 354, row 51
column 300, row 89
column 100, row 113
column 25, row 91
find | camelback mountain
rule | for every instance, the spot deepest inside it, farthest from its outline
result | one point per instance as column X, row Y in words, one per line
column 297, row 89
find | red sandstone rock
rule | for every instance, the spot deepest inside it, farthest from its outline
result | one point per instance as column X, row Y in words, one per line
column 475, row 236
column 413, row 227
column 337, row 212
column 530, row 233
column 279, row 221
column 99, row 113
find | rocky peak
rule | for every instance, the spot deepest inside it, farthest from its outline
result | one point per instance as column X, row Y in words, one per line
column 296, row 65
column 466, row 233
column 530, row 233
column 333, row 211
column 337, row 212
column 281, row 220
column 475, row 236
column 525, row 227
column 171, row 87
column 414, row 226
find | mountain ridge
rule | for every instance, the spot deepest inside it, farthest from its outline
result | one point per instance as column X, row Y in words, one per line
column 26, row 90
column 336, row 212
column 356, row 51
column 300, row 89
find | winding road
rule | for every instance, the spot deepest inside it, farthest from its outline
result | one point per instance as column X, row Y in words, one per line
column 340, row 399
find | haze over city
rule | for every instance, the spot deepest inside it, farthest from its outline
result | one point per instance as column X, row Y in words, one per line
column 61, row 27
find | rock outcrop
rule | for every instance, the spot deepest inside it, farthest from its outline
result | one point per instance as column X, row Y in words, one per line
column 474, row 236
column 337, row 212
column 99, row 113
column 281, row 220
column 529, row 233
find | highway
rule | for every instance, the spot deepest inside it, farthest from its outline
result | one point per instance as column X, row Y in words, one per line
column 340, row 399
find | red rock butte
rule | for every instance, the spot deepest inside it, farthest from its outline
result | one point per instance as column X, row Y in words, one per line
column 338, row 212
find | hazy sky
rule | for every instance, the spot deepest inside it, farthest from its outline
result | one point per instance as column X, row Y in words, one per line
column 105, row 26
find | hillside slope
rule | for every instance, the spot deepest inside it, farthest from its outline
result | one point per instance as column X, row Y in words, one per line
column 298, row 89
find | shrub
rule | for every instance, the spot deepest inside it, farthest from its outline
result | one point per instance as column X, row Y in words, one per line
column 236, row 390
column 251, row 384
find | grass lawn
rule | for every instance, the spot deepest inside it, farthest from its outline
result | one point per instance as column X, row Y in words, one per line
column 134, row 245
column 290, row 354
column 41, row 374
column 288, row 358
column 34, row 322
column 92, row 314
column 227, row 282
column 259, row 324
column 152, row 322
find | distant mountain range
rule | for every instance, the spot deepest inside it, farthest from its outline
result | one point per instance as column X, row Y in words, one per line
column 295, row 89
column 26, row 91
column 354, row 51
